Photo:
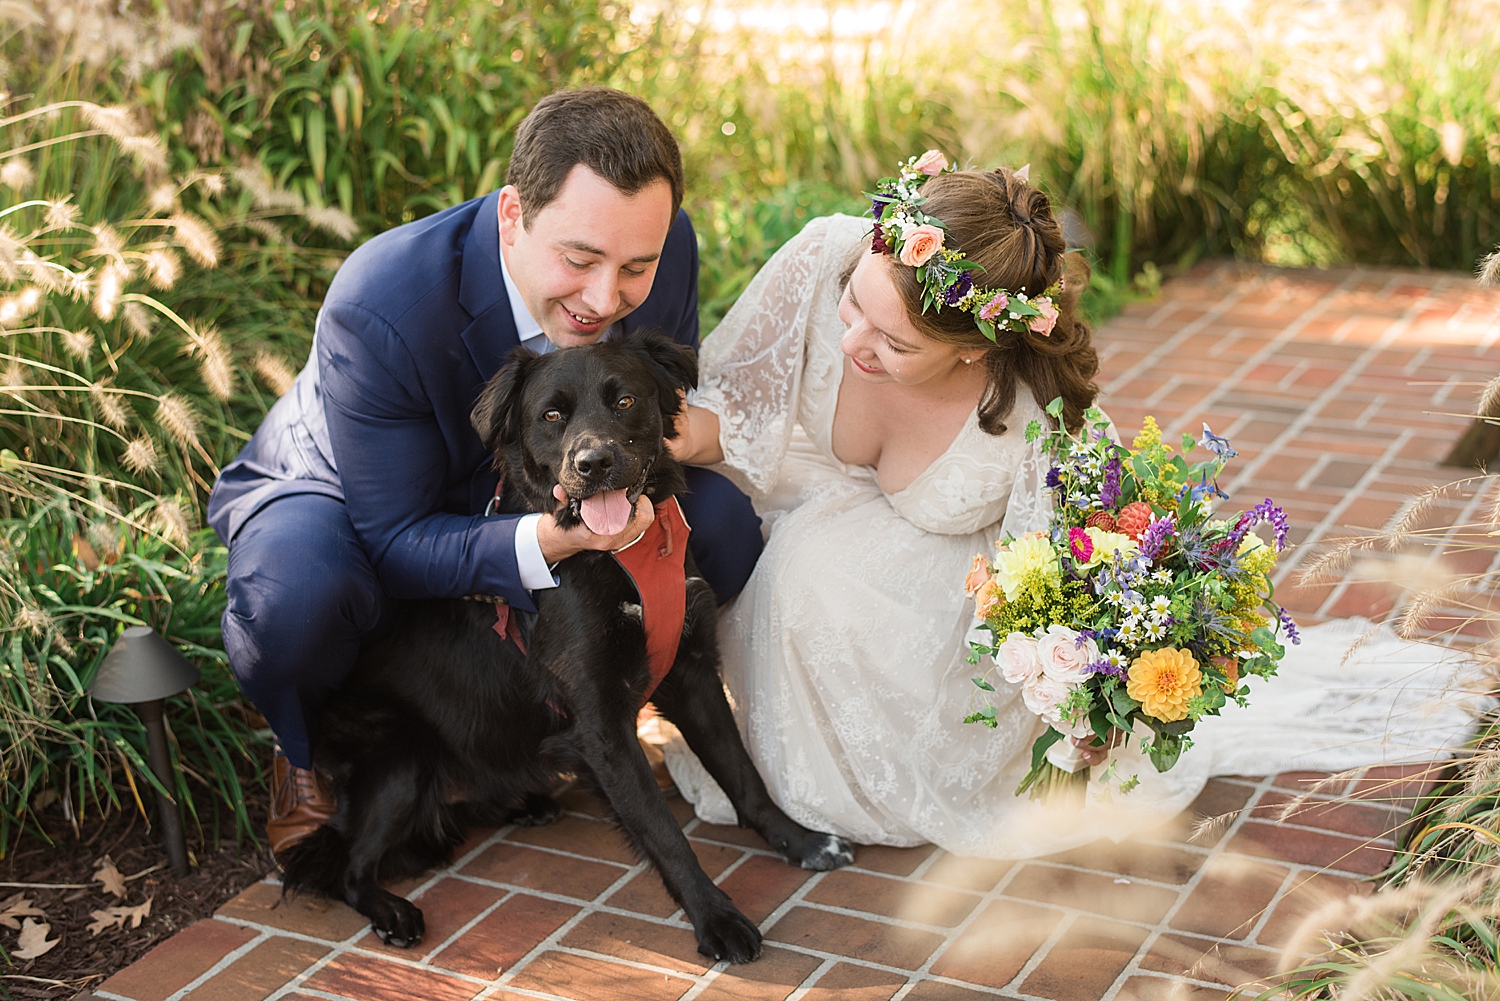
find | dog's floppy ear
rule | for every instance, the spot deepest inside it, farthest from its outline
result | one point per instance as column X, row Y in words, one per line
column 674, row 365
column 497, row 415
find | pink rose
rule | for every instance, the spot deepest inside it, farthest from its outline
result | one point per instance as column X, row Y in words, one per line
column 995, row 306
column 1044, row 696
column 1043, row 324
column 1080, row 727
column 931, row 162
column 921, row 243
column 1063, row 659
column 978, row 574
column 1016, row 658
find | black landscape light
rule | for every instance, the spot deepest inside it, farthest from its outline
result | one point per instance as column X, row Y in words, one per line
column 142, row 669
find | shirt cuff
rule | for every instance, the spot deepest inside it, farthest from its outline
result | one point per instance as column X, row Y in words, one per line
column 532, row 565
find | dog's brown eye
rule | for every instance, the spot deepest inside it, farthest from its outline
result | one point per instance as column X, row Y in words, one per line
column 625, row 402
column 552, row 416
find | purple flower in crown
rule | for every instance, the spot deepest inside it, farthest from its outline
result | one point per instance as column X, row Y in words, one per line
column 1054, row 478
column 876, row 207
column 877, row 242
column 958, row 289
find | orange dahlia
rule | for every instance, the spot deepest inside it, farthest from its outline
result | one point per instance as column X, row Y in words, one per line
column 1133, row 519
column 1162, row 681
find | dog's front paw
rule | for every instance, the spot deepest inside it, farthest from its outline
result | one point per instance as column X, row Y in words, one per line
column 539, row 810
column 725, row 933
column 820, row 852
column 397, row 921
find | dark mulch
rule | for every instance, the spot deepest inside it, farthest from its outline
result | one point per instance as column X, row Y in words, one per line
column 82, row 961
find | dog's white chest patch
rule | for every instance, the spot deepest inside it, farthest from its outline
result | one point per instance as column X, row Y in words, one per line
column 631, row 610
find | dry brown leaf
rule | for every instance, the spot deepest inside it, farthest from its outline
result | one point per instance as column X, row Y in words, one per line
column 115, row 917
column 33, row 941
column 107, row 874
column 15, row 907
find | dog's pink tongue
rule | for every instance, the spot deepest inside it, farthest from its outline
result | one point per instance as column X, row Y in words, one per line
column 606, row 513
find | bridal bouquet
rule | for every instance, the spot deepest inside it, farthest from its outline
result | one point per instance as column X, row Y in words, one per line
column 1137, row 611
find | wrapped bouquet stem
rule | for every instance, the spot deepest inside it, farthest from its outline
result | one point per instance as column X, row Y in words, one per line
column 1137, row 612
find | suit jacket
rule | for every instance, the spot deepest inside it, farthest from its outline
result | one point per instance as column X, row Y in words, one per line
column 414, row 324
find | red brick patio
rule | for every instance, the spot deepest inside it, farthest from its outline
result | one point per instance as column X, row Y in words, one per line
column 1337, row 388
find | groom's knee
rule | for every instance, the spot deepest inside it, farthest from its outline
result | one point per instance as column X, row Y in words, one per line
column 726, row 539
column 301, row 597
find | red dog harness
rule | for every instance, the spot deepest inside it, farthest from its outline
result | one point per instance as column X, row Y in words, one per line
column 655, row 563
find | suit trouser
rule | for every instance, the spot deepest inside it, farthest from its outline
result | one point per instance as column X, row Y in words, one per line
column 303, row 596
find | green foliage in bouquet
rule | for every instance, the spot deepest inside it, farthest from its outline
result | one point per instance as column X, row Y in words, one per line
column 1135, row 605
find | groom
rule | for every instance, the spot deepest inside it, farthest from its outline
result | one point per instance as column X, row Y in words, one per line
column 366, row 481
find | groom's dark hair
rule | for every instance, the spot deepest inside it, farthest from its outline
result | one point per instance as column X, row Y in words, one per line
column 612, row 133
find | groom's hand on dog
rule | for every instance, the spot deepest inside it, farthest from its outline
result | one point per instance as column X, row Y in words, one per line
column 558, row 543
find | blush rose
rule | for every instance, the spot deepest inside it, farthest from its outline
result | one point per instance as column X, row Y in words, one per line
column 920, row 244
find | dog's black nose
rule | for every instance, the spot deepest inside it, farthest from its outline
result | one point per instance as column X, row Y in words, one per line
column 593, row 462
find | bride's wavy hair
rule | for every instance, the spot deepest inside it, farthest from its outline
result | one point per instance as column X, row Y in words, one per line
column 1006, row 226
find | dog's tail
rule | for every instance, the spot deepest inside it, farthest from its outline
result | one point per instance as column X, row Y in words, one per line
column 316, row 864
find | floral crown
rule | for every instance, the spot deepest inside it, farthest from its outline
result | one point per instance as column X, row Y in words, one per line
column 908, row 234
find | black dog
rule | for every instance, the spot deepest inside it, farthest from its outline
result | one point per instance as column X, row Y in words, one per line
column 443, row 723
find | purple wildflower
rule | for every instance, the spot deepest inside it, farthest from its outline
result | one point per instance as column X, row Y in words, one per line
column 1265, row 511
column 1103, row 666
column 1289, row 625
column 1217, row 445
column 1109, row 494
column 877, row 207
column 1206, row 489
column 1084, row 635
column 958, row 289
column 1158, row 535
column 1054, row 478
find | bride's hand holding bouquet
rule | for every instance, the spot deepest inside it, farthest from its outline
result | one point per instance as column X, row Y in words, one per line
column 1136, row 612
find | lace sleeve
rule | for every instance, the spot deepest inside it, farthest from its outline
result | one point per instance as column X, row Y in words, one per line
column 1030, row 506
column 751, row 364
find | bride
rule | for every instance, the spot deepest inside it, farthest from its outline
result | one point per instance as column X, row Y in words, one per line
column 882, row 441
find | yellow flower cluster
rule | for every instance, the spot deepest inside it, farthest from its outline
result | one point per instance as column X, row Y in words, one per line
column 1258, row 560
column 1163, row 681
column 1149, row 437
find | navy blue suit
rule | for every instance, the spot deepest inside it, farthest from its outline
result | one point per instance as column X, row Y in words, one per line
column 366, row 480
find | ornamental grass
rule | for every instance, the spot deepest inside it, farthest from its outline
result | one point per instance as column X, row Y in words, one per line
column 150, row 311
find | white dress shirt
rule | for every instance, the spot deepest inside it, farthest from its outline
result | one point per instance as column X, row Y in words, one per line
column 532, row 565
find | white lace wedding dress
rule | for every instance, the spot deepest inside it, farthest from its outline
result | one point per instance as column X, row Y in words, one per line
column 845, row 657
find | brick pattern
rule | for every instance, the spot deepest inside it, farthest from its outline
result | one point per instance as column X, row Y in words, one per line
column 1338, row 389
column 1177, row 910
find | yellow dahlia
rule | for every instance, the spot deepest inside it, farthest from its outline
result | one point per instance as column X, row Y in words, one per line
column 1030, row 552
column 1162, row 681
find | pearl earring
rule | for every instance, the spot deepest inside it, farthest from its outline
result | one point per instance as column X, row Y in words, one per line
column 968, row 361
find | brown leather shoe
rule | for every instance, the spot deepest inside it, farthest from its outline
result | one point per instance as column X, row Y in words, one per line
column 300, row 803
